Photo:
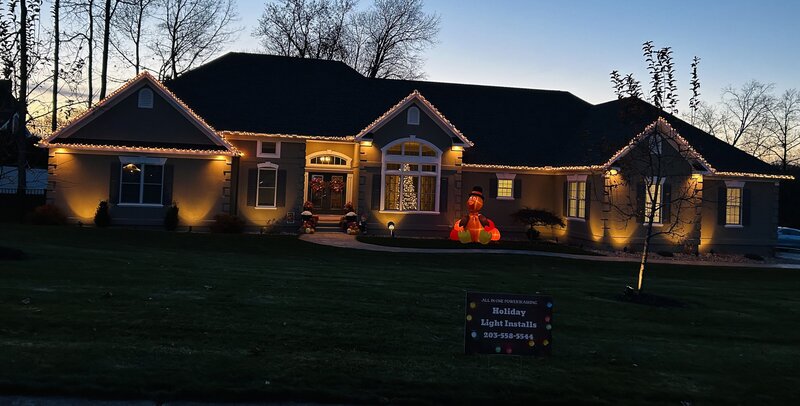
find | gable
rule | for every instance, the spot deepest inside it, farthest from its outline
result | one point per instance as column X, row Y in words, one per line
column 126, row 124
column 397, row 127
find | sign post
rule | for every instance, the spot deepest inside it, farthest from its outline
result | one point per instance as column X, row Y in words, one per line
column 499, row 323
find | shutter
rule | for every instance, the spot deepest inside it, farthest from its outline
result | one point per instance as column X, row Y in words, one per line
column 252, row 186
column 722, row 198
column 113, row 184
column 565, row 206
column 518, row 188
column 280, row 197
column 493, row 187
column 166, row 195
column 588, row 203
column 640, row 202
column 443, row 195
column 375, row 203
column 666, row 203
column 745, row 207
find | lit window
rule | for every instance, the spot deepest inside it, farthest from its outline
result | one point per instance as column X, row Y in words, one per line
column 141, row 184
column 145, row 99
column 328, row 160
column 649, row 205
column 411, row 176
column 576, row 195
column 268, row 149
column 505, row 188
column 267, row 184
column 413, row 115
column 733, row 206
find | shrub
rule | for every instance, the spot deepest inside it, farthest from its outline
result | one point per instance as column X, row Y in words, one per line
column 225, row 223
column 48, row 215
column 171, row 218
column 537, row 217
column 102, row 218
column 667, row 254
column 754, row 257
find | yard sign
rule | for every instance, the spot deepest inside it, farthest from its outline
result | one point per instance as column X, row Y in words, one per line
column 498, row 323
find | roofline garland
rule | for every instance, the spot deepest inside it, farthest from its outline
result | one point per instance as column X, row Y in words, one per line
column 125, row 86
column 416, row 94
column 349, row 138
column 118, row 148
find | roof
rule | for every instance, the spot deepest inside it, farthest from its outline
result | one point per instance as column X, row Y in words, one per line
column 508, row 126
column 62, row 137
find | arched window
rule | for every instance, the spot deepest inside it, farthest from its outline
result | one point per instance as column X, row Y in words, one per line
column 328, row 158
column 145, row 99
column 411, row 176
column 413, row 115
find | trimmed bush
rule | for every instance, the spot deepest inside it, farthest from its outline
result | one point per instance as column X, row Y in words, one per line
column 48, row 215
column 225, row 223
column 171, row 218
column 537, row 217
column 102, row 218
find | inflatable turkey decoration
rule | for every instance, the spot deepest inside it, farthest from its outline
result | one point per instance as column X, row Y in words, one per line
column 475, row 227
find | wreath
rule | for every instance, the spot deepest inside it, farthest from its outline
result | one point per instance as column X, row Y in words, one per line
column 317, row 185
column 337, row 185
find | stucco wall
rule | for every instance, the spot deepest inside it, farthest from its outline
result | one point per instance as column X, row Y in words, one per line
column 81, row 181
column 285, row 217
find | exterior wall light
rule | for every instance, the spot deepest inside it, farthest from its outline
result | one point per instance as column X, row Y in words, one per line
column 390, row 226
column 613, row 171
column 366, row 143
column 457, row 148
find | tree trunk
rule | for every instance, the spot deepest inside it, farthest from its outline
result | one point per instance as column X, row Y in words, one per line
column 54, row 120
column 22, row 101
column 643, row 262
column 91, row 49
column 106, row 37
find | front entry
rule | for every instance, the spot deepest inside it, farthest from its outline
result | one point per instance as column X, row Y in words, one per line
column 328, row 192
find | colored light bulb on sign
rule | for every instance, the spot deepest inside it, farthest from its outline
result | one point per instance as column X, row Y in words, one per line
column 546, row 319
column 545, row 342
column 472, row 305
column 549, row 305
column 474, row 334
column 531, row 343
column 549, row 327
column 497, row 349
column 469, row 317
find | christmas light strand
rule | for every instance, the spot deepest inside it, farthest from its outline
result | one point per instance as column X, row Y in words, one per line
column 118, row 148
column 416, row 95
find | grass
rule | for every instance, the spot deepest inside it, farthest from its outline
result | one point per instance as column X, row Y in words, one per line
column 545, row 246
column 149, row 314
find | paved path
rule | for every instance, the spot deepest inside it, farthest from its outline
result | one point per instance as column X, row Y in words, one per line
column 75, row 401
column 342, row 240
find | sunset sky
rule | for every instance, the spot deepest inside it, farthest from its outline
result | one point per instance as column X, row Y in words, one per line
column 573, row 45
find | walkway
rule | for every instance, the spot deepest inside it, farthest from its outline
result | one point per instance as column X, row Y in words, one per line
column 342, row 240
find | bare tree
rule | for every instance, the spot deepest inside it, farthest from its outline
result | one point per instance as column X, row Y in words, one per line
column 56, row 48
column 305, row 28
column 694, row 82
column 192, row 32
column 747, row 108
column 658, row 168
column 784, row 128
column 397, row 32
column 108, row 16
column 131, row 23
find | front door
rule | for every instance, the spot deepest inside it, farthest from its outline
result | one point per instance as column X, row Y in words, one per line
column 328, row 192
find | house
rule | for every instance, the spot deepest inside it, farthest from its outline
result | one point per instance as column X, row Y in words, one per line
column 256, row 136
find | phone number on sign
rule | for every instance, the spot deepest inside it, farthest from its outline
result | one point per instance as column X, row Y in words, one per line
column 508, row 336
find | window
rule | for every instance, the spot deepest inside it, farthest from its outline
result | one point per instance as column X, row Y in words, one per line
column 267, row 185
column 268, row 149
column 411, row 177
column 655, row 143
column 733, row 206
column 413, row 115
column 145, row 99
column 141, row 183
column 328, row 160
column 505, row 186
column 648, row 202
column 576, row 199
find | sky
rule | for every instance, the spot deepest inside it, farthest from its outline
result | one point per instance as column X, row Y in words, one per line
column 573, row 45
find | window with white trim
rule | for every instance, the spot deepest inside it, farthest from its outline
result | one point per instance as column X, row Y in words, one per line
column 268, row 149
column 576, row 199
column 649, row 195
column 733, row 206
column 411, row 172
column 141, row 183
column 145, row 99
column 413, row 116
column 505, row 188
column 267, row 186
column 328, row 160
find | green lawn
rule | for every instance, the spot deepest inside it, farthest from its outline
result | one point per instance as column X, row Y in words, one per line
column 127, row 313
column 539, row 245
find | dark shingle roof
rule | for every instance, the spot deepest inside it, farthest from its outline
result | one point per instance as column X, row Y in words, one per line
column 509, row 126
